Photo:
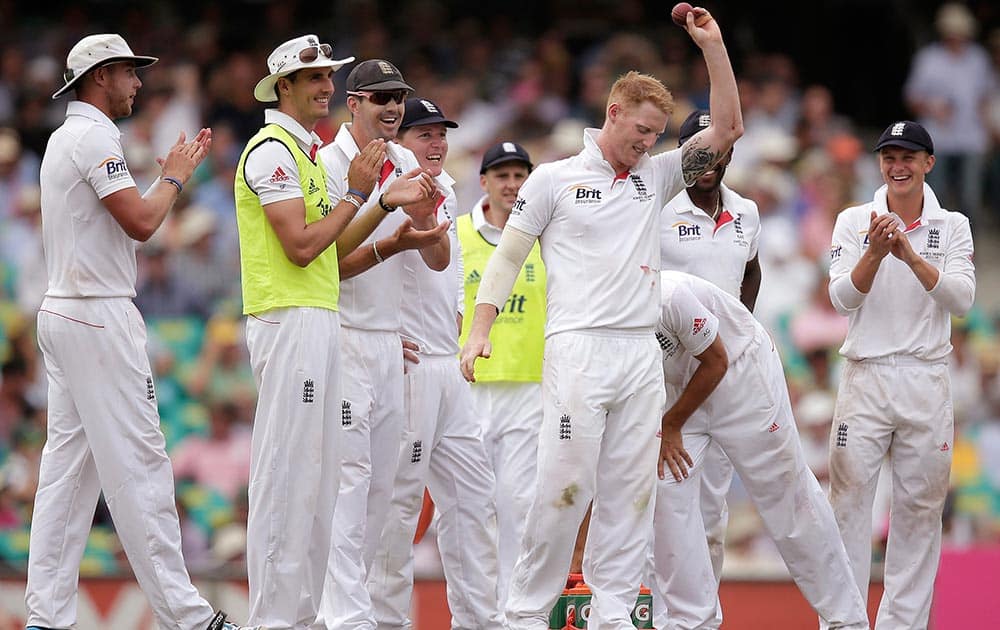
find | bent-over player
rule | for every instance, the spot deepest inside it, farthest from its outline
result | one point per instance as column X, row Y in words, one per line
column 711, row 232
column 726, row 386
column 596, row 215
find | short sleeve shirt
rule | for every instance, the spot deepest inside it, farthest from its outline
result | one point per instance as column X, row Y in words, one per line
column 717, row 250
column 693, row 311
column 270, row 169
column 370, row 300
column 599, row 235
column 87, row 253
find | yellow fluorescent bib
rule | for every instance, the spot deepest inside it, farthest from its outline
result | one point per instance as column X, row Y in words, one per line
column 270, row 279
column 518, row 336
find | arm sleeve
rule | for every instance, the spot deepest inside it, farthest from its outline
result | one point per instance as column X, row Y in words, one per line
column 956, row 287
column 845, row 251
column 102, row 162
column 695, row 326
column 504, row 265
column 272, row 173
column 670, row 173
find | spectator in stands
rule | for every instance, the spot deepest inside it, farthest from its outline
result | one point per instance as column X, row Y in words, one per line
column 949, row 83
column 219, row 461
column 161, row 294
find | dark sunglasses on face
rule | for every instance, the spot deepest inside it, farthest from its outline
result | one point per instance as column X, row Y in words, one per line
column 383, row 98
column 311, row 54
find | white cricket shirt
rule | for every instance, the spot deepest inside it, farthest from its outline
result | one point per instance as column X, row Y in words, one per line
column 87, row 253
column 370, row 300
column 270, row 170
column 599, row 234
column 899, row 316
column 693, row 311
column 716, row 250
column 431, row 299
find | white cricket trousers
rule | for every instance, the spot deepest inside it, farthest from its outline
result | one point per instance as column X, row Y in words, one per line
column 603, row 398
column 716, row 478
column 897, row 407
column 295, row 462
column 511, row 416
column 750, row 416
column 442, row 450
column 104, row 432
column 372, row 422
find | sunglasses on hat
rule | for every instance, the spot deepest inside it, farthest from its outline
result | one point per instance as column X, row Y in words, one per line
column 312, row 53
column 383, row 97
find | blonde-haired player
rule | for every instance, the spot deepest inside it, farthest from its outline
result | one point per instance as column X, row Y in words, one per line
column 596, row 215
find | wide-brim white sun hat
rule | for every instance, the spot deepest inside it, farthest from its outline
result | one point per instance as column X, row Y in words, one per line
column 98, row 50
column 287, row 58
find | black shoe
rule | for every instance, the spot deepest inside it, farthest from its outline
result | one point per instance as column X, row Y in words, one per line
column 219, row 622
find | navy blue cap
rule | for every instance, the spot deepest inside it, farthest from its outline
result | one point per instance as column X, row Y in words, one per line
column 420, row 111
column 906, row 134
column 504, row 152
column 696, row 121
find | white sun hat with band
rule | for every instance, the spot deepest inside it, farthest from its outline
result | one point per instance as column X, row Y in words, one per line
column 295, row 54
column 98, row 50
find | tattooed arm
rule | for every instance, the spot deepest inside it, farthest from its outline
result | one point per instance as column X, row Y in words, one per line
column 704, row 149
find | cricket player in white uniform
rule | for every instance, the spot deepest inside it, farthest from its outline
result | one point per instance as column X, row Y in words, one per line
column 442, row 445
column 901, row 267
column 711, row 232
column 596, row 215
column 291, row 231
column 508, row 388
column 103, row 428
column 372, row 411
column 726, row 385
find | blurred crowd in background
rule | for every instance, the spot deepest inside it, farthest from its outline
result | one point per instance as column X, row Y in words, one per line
column 801, row 160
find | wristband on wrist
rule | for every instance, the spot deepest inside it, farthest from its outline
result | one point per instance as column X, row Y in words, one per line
column 383, row 205
column 176, row 182
column 378, row 257
column 351, row 200
column 360, row 195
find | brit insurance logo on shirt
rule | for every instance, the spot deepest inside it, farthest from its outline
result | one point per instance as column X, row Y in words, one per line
column 114, row 168
column 687, row 231
column 584, row 195
column 518, row 207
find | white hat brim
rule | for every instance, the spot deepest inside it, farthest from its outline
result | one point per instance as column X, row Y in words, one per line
column 264, row 91
column 141, row 61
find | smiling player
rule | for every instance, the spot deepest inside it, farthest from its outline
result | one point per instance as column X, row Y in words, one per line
column 596, row 216
column 899, row 279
